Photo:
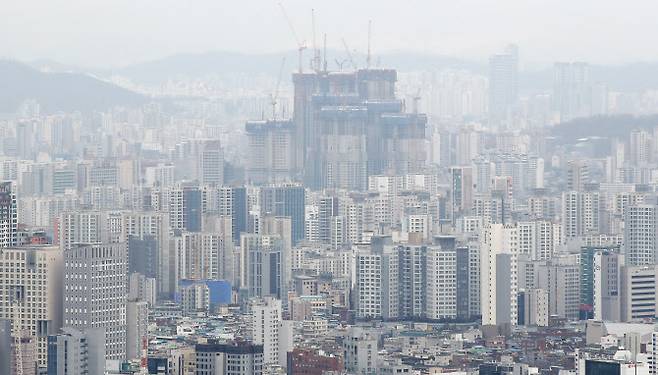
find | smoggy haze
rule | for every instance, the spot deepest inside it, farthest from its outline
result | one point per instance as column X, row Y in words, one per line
column 118, row 32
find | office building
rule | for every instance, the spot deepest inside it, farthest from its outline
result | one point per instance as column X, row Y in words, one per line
column 262, row 265
column 560, row 277
column 641, row 235
column 613, row 367
column 8, row 216
column 232, row 358
column 95, row 291
column 533, row 308
column 285, row 200
column 607, row 285
column 75, row 352
column 149, row 252
column 32, row 288
column 638, row 293
column 587, row 268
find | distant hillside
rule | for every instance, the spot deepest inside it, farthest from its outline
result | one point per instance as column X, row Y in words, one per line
column 605, row 126
column 59, row 91
column 199, row 65
column 626, row 77
column 204, row 65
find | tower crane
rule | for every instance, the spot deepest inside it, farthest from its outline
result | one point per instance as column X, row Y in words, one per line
column 275, row 96
column 368, row 59
column 349, row 54
column 316, row 51
column 340, row 64
column 301, row 45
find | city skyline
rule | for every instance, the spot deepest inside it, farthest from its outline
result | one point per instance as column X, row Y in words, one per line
column 318, row 212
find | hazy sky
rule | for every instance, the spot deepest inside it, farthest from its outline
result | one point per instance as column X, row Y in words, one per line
column 118, row 32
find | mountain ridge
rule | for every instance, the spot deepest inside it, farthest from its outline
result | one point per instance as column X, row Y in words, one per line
column 59, row 91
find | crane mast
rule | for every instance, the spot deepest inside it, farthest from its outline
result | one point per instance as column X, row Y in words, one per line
column 301, row 45
column 349, row 55
column 275, row 96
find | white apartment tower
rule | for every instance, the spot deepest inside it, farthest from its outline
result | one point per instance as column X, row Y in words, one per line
column 539, row 239
column 270, row 330
column 580, row 213
column 204, row 256
column 498, row 267
column 441, row 295
column 641, row 235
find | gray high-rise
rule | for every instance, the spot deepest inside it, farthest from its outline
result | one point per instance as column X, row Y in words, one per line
column 503, row 82
column 8, row 215
column 286, row 200
column 95, row 291
column 74, row 352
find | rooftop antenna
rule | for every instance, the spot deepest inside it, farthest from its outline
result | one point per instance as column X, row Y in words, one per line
column 368, row 59
column 301, row 45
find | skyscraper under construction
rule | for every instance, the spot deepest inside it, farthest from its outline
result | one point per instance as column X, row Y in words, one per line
column 349, row 125
column 346, row 126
